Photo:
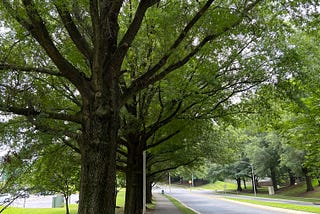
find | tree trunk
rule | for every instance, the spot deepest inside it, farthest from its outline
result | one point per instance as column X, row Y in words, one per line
column 97, row 181
column 308, row 179
column 134, row 180
column 149, row 191
column 66, row 198
column 98, row 153
column 274, row 178
column 244, row 183
column 292, row 178
column 254, row 184
column 239, row 188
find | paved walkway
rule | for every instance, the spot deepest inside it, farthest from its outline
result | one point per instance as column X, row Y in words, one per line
column 164, row 206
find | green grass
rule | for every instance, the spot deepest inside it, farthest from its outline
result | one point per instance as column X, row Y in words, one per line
column 120, row 201
column 300, row 191
column 297, row 192
column 219, row 185
column 73, row 208
column 121, row 197
column 280, row 205
column 14, row 210
column 180, row 206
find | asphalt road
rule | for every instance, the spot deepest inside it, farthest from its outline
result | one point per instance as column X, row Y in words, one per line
column 205, row 202
column 39, row 201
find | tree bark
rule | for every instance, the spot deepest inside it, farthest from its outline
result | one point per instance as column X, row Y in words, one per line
column 239, row 188
column 308, row 179
column 254, row 184
column 292, row 178
column 244, row 183
column 149, row 191
column 274, row 178
column 134, row 180
column 66, row 198
column 97, row 181
column 98, row 151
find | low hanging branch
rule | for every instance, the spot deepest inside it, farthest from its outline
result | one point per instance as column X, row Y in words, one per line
column 30, row 69
column 31, row 112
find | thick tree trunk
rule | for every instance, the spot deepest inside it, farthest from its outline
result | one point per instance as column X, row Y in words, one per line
column 97, row 181
column 274, row 178
column 308, row 179
column 239, row 188
column 98, row 152
column 134, row 181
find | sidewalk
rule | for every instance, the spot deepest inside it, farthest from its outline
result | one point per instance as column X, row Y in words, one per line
column 164, row 206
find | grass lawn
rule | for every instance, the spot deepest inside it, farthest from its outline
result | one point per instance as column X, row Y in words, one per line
column 14, row 210
column 73, row 208
column 300, row 191
column 219, row 185
column 297, row 192
column 280, row 205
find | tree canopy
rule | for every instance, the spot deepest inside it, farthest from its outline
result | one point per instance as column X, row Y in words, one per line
column 81, row 70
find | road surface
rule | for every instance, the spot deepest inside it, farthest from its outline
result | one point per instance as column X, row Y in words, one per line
column 39, row 201
column 205, row 202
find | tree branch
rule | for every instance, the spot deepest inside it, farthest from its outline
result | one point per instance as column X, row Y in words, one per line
column 162, row 140
column 54, row 131
column 35, row 25
column 80, row 42
column 131, row 32
column 178, row 41
column 5, row 66
column 171, row 168
column 95, row 20
column 154, row 127
column 30, row 111
column 69, row 144
column 150, row 76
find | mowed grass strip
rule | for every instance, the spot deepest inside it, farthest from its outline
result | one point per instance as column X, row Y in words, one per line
column 220, row 185
column 280, row 205
column 180, row 206
column 15, row 210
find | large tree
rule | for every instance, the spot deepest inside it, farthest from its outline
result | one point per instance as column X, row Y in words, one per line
column 65, row 67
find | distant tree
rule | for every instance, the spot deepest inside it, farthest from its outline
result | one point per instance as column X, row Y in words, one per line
column 264, row 151
column 56, row 170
